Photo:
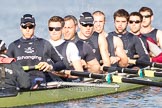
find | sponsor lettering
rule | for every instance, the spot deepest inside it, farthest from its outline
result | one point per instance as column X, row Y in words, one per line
column 7, row 70
column 29, row 57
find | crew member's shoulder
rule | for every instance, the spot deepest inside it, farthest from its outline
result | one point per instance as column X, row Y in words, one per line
column 43, row 40
column 113, row 33
column 95, row 33
column 14, row 42
column 130, row 34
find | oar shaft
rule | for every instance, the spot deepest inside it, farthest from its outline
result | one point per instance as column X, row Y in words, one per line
column 158, row 74
column 87, row 74
column 120, row 70
column 119, row 79
column 142, row 82
column 151, row 64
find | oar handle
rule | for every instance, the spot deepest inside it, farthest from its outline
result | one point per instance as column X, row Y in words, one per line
column 146, row 63
column 27, row 68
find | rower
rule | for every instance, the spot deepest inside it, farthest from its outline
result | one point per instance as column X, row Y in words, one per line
column 31, row 50
column 89, row 60
column 11, row 74
column 96, row 40
column 99, row 22
column 67, row 49
column 132, row 44
column 135, row 21
column 118, row 56
column 147, row 29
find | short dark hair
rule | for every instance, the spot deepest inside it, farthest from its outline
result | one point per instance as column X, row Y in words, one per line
column 57, row 19
column 121, row 13
column 136, row 14
column 71, row 17
column 146, row 9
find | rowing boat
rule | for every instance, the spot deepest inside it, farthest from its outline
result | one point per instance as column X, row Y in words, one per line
column 80, row 91
column 64, row 94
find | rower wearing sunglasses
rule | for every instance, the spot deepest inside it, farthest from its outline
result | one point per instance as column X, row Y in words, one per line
column 89, row 61
column 147, row 29
column 96, row 40
column 31, row 50
column 132, row 44
column 67, row 50
column 135, row 21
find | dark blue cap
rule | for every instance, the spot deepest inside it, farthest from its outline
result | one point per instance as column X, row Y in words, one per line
column 86, row 18
column 27, row 18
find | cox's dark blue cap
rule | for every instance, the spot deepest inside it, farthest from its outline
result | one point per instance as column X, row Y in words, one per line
column 27, row 18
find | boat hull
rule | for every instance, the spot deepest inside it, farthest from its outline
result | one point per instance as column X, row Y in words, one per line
column 63, row 94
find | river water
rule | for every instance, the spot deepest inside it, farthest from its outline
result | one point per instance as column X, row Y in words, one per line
column 12, row 10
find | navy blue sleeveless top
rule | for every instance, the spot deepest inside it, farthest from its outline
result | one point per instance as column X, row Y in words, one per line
column 93, row 42
column 152, row 34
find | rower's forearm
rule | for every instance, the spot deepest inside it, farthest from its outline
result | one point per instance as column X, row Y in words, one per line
column 58, row 66
column 94, row 69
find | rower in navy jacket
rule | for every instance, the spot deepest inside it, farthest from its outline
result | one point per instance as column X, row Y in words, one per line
column 31, row 50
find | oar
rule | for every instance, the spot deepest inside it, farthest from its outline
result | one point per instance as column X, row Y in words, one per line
column 140, row 72
column 145, row 63
column 27, row 68
column 120, row 79
column 59, row 84
column 113, row 78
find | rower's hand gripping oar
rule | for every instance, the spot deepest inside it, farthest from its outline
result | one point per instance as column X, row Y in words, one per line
column 140, row 72
column 35, row 67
